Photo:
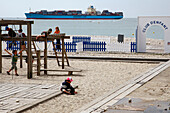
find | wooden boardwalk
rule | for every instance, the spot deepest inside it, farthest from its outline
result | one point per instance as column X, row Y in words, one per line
column 18, row 97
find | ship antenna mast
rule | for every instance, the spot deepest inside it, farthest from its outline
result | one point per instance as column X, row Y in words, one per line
column 29, row 9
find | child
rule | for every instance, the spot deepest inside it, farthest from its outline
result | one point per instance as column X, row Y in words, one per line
column 11, row 33
column 14, row 61
column 20, row 34
column 57, row 31
column 67, row 88
column 44, row 34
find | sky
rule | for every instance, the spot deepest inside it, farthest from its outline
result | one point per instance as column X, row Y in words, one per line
column 130, row 8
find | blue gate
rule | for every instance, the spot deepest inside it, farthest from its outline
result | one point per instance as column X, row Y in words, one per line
column 94, row 46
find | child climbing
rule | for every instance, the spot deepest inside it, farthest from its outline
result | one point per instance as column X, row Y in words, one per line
column 21, row 34
column 67, row 88
column 14, row 61
column 11, row 33
column 44, row 34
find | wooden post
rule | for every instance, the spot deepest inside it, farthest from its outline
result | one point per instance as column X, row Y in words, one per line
column 38, row 63
column 29, row 67
column 45, row 55
column 62, row 52
column 0, row 52
column 20, row 27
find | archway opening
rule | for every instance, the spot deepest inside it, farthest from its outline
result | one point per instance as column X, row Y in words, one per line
column 155, row 39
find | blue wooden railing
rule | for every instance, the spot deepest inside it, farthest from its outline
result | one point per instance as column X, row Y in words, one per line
column 69, row 47
column 94, row 46
column 80, row 39
column 16, row 47
column 133, row 47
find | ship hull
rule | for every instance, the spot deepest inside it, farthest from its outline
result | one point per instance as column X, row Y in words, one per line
column 71, row 17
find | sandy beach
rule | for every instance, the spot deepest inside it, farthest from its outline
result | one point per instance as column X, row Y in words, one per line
column 157, row 89
column 96, row 79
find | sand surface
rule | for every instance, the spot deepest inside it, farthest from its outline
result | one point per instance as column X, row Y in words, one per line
column 97, row 78
column 156, row 89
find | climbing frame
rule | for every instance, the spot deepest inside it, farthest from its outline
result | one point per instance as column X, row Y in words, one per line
column 4, row 23
column 30, row 39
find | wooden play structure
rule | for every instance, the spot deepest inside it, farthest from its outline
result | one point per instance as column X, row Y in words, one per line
column 31, row 46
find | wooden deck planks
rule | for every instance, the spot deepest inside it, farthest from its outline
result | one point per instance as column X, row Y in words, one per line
column 11, row 91
column 3, row 111
column 105, row 100
column 62, row 70
column 20, row 96
column 11, row 103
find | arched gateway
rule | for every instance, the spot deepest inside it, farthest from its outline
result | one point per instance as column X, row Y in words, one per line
column 144, row 22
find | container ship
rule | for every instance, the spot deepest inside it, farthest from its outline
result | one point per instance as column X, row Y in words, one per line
column 90, row 14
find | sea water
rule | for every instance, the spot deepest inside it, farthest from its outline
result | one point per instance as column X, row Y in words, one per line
column 125, row 26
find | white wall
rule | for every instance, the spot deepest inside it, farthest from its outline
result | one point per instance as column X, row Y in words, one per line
column 119, row 47
column 144, row 22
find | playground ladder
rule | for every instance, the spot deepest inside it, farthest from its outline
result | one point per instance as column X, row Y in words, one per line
column 33, row 48
column 34, row 53
column 65, row 54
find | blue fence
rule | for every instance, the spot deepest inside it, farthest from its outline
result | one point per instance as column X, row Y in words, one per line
column 133, row 47
column 16, row 47
column 69, row 46
column 94, row 46
column 81, row 39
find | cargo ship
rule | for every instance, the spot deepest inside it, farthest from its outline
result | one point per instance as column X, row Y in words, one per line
column 90, row 14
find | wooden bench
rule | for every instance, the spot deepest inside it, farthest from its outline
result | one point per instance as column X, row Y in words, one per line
column 69, row 70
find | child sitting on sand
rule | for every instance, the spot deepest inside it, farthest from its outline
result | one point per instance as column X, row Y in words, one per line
column 67, row 88
column 44, row 34
column 14, row 61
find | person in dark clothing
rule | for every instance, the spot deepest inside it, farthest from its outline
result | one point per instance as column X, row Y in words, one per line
column 11, row 33
column 67, row 88
column 44, row 34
